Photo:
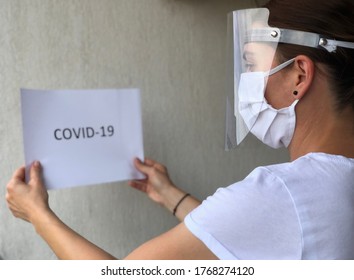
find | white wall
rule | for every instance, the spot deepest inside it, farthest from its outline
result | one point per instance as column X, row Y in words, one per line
column 174, row 50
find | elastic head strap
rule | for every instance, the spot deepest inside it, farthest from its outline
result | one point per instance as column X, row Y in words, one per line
column 313, row 40
column 295, row 37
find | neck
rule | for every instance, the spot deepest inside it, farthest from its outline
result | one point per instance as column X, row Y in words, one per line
column 331, row 134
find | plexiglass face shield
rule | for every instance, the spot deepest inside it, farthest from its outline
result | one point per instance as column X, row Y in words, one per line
column 248, row 52
column 252, row 45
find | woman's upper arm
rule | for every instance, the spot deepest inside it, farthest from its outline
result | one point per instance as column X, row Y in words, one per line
column 178, row 243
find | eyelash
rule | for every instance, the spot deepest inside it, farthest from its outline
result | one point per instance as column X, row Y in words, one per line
column 249, row 65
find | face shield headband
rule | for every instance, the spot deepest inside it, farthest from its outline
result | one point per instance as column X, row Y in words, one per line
column 252, row 45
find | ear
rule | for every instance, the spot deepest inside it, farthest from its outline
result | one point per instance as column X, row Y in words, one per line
column 304, row 73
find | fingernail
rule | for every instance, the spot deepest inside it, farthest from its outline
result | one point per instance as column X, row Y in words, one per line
column 36, row 164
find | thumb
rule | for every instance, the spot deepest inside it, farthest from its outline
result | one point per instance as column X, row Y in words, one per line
column 36, row 174
column 141, row 166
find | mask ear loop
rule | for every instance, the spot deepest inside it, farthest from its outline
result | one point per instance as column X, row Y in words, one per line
column 279, row 67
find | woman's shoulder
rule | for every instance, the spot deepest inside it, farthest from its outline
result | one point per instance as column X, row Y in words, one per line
column 311, row 165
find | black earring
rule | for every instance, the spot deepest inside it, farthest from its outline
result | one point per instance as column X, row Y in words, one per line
column 295, row 92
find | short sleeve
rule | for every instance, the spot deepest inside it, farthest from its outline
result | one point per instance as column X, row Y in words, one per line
column 252, row 219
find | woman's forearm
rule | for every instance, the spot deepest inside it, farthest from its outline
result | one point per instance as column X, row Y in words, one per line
column 177, row 201
column 65, row 242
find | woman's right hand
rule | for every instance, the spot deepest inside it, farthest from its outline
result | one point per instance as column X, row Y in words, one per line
column 160, row 189
column 157, row 182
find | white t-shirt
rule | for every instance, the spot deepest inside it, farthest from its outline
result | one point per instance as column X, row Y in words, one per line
column 298, row 210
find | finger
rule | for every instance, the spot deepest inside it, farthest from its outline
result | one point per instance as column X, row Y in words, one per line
column 155, row 164
column 141, row 166
column 36, row 173
column 19, row 174
column 139, row 185
column 140, row 181
column 137, row 182
column 17, row 179
column 149, row 162
column 19, row 215
column 9, row 200
column 148, row 166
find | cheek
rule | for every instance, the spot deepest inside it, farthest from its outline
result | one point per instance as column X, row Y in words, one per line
column 271, row 94
column 277, row 94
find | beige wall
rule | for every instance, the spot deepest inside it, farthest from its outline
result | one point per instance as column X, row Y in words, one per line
column 174, row 50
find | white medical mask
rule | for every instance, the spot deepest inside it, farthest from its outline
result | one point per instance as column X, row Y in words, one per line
column 273, row 127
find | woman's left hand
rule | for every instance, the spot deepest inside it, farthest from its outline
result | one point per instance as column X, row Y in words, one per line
column 27, row 200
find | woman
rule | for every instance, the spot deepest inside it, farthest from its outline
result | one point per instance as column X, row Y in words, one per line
column 295, row 89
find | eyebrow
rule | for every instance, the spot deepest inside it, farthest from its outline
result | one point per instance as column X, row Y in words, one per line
column 247, row 54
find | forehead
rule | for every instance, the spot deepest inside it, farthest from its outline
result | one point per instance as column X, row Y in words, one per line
column 259, row 47
column 259, row 51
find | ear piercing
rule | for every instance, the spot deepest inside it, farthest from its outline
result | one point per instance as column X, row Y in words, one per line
column 295, row 92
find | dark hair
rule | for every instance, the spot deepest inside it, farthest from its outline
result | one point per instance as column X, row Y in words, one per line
column 331, row 18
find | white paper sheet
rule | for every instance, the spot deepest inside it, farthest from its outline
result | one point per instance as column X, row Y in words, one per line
column 82, row 137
